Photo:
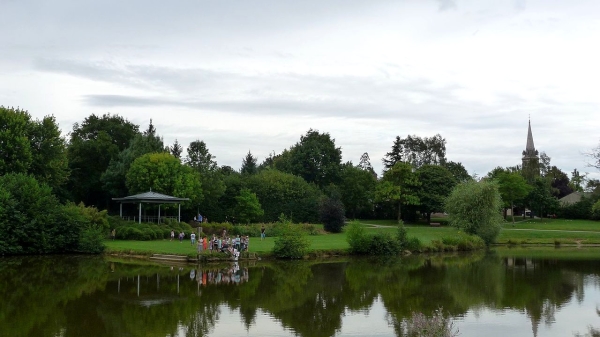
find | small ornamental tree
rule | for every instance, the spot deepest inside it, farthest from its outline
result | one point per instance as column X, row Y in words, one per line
column 475, row 207
column 331, row 214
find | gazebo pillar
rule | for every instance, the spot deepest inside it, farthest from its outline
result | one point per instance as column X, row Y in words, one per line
column 140, row 217
column 159, row 213
column 179, row 214
column 121, row 210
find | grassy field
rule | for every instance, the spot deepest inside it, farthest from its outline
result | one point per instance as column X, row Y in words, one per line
column 549, row 231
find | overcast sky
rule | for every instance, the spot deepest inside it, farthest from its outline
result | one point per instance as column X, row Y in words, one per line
column 256, row 75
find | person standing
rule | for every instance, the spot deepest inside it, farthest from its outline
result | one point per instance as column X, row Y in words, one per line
column 193, row 238
column 172, row 235
column 262, row 232
column 113, row 233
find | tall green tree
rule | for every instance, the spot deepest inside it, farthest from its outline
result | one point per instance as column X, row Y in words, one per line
column 114, row 178
column 559, row 181
column 34, row 147
column 163, row 173
column 16, row 156
column 512, row 187
column 248, row 208
column 417, row 151
column 399, row 185
column 577, row 181
column 203, row 162
column 459, row 172
column 357, row 189
column 475, row 207
column 281, row 192
column 365, row 164
column 436, row 184
column 176, row 149
column 248, row 164
column 93, row 144
column 316, row 159
column 540, row 198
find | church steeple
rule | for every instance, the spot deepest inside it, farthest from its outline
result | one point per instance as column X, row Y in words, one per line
column 531, row 159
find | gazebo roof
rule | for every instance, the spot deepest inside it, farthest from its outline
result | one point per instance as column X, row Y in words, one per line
column 151, row 197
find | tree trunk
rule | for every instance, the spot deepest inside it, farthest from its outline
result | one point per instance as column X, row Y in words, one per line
column 512, row 211
column 429, row 218
column 399, row 211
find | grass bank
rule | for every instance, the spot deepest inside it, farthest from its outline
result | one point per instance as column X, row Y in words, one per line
column 530, row 232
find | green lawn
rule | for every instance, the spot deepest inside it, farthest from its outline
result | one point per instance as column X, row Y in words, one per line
column 548, row 231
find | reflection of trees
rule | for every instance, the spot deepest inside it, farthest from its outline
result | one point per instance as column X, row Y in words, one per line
column 73, row 296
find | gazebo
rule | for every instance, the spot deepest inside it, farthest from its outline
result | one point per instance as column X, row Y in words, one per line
column 150, row 198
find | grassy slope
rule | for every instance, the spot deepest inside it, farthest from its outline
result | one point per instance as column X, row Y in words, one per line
column 531, row 232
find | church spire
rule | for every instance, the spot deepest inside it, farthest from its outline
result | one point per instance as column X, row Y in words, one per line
column 529, row 146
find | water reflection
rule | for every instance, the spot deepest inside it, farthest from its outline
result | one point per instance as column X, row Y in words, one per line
column 92, row 296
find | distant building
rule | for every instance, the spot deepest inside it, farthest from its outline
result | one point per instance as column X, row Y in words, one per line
column 531, row 158
column 573, row 198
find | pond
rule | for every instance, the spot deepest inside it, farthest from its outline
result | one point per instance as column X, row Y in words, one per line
column 519, row 292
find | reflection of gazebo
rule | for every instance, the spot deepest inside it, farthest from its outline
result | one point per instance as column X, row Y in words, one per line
column 150, row 198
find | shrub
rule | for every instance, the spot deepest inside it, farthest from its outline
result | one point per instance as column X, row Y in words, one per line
column 596, row 211
column 419, row 325
column 291, row 244
column 91, row 241
column 413, row 244
column 383, row 244
column 331, row 214
column 357, row 238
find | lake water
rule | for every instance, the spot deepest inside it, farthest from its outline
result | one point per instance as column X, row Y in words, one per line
column 500, row 293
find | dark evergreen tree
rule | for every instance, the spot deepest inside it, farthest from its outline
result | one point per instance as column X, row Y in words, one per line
column 176, row 149
column 248, row 164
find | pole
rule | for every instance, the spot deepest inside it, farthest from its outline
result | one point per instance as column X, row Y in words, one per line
column 140, row 214
column 179, row 214
column 121, row 210
column 159, row 213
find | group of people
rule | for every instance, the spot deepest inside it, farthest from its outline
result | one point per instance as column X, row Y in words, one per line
column 233, row 246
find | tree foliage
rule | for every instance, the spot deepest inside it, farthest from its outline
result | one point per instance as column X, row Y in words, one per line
column 284, row 193
column 540, row 198
column 176, row 149
column 417, row 151
column 357, row 189
column 399, row 185
column 436, row 184
column 248, row 164
column 512, row 188
column 248, row 208
column 458, row 171
column 34, row 147
column 315, row 158
column 93, row 144
column 332, row 214
column 199, row 158
column 474, row 207
column 163, row 173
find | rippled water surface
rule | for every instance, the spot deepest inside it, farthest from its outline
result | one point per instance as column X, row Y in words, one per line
column 518, row 292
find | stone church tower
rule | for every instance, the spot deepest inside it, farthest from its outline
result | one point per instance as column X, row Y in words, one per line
column 531, row 159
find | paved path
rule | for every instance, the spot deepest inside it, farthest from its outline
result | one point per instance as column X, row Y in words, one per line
column 548, row 230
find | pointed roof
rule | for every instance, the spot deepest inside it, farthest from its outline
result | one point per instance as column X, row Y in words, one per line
column 151, row 197
column 529, row 146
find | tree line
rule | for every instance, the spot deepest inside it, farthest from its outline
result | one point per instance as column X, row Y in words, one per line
column 108, row 156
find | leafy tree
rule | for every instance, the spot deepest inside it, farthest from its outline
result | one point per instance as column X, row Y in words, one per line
column 474, row 207
column 291, row 244
column 176, row 149
column 458, row 171
column 16, row 156
column 316, row 159
column 284, row 193
column 559, row 181
column 540, row 198
column 93, row 144
column 33, row 147
column 577, row 181
column 165, row 174
column 596, row 211
column 365, row 164
column 417, row 151
column 544, row 164
column 248, row 164
column 211, row 177
column 357, row 189
column 199, row 158
column 436, row 184
column 399, row 185
column 331, row 214
column 113, row 179
column 248, row 207
column 593, row 185
column 512, row 187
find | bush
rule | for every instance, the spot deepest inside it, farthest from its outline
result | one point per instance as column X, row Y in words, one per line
column 596, row 211
column 331, row 214
column 377, row 244
column 291, row 244
column 91, row 241
column 357, row 238
column 419, row 325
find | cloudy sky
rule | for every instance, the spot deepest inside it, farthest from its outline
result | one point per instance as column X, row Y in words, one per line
column 255, row 75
